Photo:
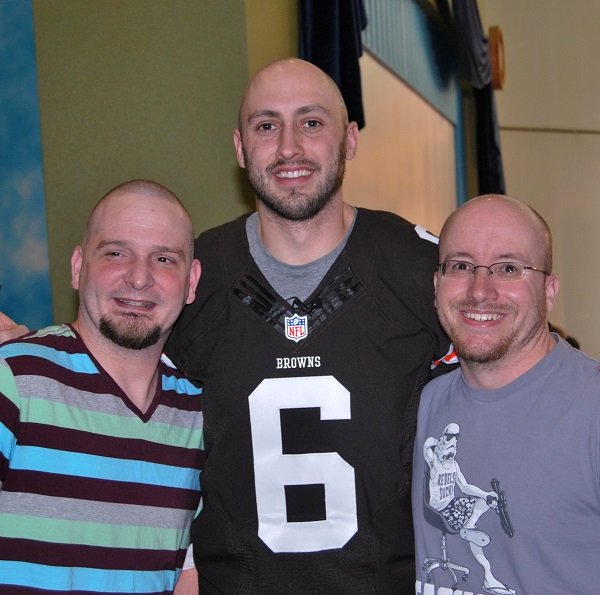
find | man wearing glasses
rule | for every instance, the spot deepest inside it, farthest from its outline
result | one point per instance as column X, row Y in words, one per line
column 528, row 408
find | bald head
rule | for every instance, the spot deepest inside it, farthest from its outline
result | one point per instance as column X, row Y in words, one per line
column 295, row 76
column 142, row 189
column 135, row 270
column 498, row 324
column 293, row 141
column 503, row 212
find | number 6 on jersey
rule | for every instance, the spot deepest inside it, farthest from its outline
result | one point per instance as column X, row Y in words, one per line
column 273, row 470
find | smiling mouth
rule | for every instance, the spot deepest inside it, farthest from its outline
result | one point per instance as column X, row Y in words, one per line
column 136, row 304
column 299, row 173
column 483, row 317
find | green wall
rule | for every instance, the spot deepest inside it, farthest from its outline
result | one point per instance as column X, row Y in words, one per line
column 271, row 30
column 137, row 88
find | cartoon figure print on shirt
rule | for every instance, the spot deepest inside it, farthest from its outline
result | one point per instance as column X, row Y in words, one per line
column 457, row 514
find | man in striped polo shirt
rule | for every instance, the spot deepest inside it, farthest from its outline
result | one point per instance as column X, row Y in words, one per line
column 100, row 442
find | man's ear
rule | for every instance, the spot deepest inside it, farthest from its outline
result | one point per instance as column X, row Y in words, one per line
column 435, row 286
column 195, row 271
column 552, row 285
column 239, row 148
column 351, row 140
column 76, row 262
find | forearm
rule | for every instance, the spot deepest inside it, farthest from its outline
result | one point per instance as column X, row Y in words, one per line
column 187, row 583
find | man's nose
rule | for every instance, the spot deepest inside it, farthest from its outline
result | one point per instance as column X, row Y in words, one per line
column 139, row 274
column 482, row 285
column 290, row 145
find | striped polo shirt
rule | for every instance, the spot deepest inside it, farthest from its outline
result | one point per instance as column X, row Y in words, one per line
column 95, row 496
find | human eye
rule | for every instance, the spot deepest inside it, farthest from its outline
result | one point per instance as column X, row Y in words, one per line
column 312, row 124
column 110, row 249
column 459, row 267
column 266, row 127
column 168, row 258
column 508, row 270
column 456, row 268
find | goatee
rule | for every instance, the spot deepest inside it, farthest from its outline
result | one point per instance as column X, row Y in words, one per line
column 132, row 337
column 294, row 204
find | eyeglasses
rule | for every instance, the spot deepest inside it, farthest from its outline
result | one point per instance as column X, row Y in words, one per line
column 503, row 271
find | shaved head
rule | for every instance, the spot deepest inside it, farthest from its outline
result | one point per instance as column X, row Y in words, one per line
column 497, row 325
column 292, row 67
column 140, row 187
column 135, row 270
column 293, row 140
column 519, row 208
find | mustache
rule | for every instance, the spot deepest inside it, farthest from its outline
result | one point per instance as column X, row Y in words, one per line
column 295, row 162
column 474, row 306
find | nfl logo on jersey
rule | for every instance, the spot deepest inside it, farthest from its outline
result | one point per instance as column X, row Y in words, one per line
column 296, row 327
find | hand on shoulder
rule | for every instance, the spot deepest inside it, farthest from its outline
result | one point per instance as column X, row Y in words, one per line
column 9, row 329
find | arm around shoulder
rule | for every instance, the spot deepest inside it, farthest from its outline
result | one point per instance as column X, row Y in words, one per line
column 9, row 329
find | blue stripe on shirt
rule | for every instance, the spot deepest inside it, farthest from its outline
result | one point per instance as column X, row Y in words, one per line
column 179, row 385
column 48, row 460
column 76, row 362
column 7, row 441
column 58, row 578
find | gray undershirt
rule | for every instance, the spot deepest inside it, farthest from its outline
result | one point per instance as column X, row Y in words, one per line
column 291, row 281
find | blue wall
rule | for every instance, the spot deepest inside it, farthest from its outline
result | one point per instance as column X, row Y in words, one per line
column 24, row 268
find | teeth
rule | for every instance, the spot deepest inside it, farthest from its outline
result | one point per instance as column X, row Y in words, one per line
column 137, row 304
column 293, row 174
column 482, row 317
